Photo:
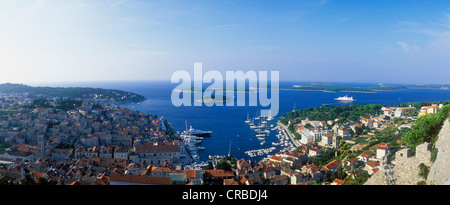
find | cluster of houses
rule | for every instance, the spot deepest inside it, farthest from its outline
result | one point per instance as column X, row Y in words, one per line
column 320, row 133
column 401, row 111
column 328, row 133
column 292, row 168
column 86, row 132
column 98, row 171
column 107, row 145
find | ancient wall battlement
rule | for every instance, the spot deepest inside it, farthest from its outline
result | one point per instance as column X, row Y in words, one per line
column 404, row 170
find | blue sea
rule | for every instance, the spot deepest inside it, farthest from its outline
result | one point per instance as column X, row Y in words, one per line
column 227, row 123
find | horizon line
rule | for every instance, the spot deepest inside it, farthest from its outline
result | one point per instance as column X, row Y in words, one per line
column 38, row 83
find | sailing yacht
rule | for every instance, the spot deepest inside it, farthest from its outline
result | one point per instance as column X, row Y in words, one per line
column 257, row 117
column 248, row 120
column 263, row 121
column 270, row 118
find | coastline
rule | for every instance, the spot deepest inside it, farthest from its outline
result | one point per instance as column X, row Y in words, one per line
column 291, row 136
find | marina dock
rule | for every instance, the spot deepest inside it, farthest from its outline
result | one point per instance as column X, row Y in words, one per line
column 291, row 136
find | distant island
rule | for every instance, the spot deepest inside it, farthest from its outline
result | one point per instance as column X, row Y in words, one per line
column 100, row 94
column 370, row 89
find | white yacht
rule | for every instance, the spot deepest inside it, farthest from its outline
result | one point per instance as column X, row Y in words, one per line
column 248, row 120
column 345, row 99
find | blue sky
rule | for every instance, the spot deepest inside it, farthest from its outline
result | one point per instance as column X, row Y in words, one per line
column 398, row 41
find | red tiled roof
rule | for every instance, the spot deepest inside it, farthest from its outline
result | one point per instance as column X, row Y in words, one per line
column 383, row 146
column 338, row 181
column 219, row 173
column 333, row 164
column 141, row 179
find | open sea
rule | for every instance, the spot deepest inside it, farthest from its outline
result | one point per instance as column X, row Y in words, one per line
column 227, row 123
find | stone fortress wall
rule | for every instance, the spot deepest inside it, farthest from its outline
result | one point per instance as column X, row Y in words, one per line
column 404, row 170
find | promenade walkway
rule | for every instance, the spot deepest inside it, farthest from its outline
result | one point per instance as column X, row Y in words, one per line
column 291, row 136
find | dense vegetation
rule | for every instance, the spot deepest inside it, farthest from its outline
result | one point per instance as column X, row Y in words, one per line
column 72, row 92
column 169, row 130
column 350, row 112
column 426, row 128
column 227, row 163
column 69, row 104
column 328, row 112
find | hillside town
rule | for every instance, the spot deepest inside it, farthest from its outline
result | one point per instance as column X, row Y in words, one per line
column 99, row 144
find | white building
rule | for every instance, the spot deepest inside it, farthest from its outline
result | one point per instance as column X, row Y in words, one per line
column 382, row 150
column 327, row 140
column 344, row 133
column 310, row 135
column 433, row 109
column 367, row 122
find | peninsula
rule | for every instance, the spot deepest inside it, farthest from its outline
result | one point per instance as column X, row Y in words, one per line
column 99, row 94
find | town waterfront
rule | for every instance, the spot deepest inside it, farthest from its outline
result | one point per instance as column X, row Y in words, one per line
column 227, row 123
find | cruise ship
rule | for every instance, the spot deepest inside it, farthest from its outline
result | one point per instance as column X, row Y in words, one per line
column 200, row 133
column 345, row 99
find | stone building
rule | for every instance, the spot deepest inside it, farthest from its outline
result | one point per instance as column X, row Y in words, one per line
column 404, row 169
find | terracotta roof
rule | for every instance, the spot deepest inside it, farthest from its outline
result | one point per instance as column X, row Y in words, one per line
column 141, row 179
column 338, row 181
column 230, row 182
column 313, row 167
column 332, row 165
column 161, row 169
column 275, row 158
column 364, row 155
column 383, row 146
column 219, row 173
column 373, row 164
column 189, row 173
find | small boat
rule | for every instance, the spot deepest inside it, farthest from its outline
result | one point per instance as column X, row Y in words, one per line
column 262, row 143
column 248, row 120
column 270, row 118
column 261, row 137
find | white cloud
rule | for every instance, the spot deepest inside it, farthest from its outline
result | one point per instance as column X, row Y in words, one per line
column 404, row 46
